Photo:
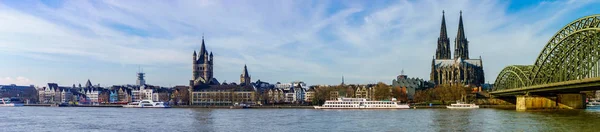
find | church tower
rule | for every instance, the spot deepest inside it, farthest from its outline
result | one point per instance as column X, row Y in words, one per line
column 443, row 44
column 202, row 67
column 461, row 47
column 245, row 77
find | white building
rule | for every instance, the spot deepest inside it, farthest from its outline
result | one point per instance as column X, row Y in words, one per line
column 92, row 94
column 54, row 94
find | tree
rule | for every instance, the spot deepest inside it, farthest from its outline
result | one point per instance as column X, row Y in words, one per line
column 350, row 92
column 382, row 91
column 399, row 93
column 321, row 94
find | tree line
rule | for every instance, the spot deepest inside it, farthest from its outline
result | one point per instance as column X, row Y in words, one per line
column 379, row 91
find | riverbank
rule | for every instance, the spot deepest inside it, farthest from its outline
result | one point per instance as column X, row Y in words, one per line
column 253, row 107
column 274, row 106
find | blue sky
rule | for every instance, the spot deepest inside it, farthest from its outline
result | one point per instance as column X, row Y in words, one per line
column 68, row 42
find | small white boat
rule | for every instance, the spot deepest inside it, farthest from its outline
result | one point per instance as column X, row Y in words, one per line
column 593, row 103
column 361, row 103
column 6, row 103
column 239, row 106
column 146, row 104
column 460, row 105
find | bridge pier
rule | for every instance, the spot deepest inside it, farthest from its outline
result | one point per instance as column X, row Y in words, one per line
column 559, row 101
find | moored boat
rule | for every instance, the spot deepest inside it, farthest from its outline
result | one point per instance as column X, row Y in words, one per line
column 459, row 105
column 6, row 102
column 361, row 103
column 239, row 106
column 593, row 103
column 146, row 104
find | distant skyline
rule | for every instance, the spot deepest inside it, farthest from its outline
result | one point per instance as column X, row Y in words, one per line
column 69, row 42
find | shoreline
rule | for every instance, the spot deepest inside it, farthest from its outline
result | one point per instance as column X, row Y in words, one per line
column 268, row 107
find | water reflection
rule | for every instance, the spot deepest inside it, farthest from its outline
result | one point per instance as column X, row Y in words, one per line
column 452, row 120
column 204, row 119
column 289, row 120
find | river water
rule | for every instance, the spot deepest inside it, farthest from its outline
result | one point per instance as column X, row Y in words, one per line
column 290, row 120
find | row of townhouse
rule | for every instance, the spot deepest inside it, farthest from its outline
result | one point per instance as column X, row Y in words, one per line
column 90, row 94
column 295, row 92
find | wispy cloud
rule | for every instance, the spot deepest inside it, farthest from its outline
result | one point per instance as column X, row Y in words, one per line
column 16, row 80
column 314, row 41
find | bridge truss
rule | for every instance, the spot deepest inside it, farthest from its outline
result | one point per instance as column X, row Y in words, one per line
column 572, row 53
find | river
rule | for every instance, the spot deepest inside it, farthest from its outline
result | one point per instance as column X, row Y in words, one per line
column 289, row 120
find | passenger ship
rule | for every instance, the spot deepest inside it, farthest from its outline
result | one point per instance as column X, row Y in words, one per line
column 146, row 104
column 361, row 103
column 460, row 105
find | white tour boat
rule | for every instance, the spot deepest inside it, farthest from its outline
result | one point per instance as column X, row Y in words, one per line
column 361, row 103
column 460, row 105
column 6, row 103
column 146, row 104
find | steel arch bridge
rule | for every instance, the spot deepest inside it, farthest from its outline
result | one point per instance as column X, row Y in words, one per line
column 571, row 54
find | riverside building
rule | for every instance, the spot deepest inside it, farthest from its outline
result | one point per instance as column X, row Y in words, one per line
column 206, row 90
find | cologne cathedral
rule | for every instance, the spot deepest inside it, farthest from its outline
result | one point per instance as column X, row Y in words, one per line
column 202, row 68
column 457, row 70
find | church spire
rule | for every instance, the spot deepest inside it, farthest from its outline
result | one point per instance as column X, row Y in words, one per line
column 245, row 71
column 343, row 80
column 461, row 29
column 443, row 45
column 461, row 47
column 202, row 48
column 443, row 33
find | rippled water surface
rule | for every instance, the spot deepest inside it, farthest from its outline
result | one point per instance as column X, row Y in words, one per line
column 176, row 119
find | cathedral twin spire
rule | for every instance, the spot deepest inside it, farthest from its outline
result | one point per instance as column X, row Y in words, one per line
column 443, row 47
column 461, row 48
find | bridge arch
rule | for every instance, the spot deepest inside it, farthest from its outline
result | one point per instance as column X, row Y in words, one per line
column 572, row 53
column 513, row 76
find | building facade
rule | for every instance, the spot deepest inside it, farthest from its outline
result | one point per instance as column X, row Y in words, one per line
column 410, row 84
column 223, row 95
column 458, row 70
column 275, row 95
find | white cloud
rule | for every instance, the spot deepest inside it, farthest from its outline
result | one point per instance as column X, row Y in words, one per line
column 279, row 40
column 18, row 81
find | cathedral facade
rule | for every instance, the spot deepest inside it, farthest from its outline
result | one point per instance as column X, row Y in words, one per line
column 457, row 70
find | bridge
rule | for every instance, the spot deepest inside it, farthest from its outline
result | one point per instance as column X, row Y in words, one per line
column 567, row 65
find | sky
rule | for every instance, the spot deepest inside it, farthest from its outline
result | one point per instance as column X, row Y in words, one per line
column 318, row 42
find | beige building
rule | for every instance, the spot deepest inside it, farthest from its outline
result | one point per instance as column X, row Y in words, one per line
column 223, row 95
column 275, row 95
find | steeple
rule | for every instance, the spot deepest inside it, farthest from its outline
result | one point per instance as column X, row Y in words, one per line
column 343, row 80
column 443, row 44
column 202, row 48
column 461, row 29
column 443, row 33
column 245, row 71
column 461, row 47
column 245, row 77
